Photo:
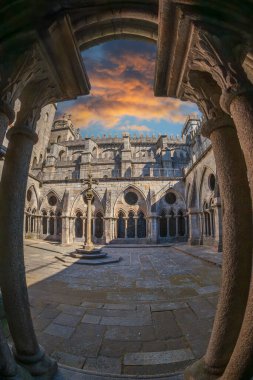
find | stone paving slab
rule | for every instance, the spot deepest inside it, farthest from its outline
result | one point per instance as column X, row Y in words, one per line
column 66, row 373
column 155, row 300
column 204, row 253
column 156, row 358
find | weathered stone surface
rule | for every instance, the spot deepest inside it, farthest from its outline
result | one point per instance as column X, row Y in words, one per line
column 156, row 358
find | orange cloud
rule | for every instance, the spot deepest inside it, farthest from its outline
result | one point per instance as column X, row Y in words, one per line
column 121, row 90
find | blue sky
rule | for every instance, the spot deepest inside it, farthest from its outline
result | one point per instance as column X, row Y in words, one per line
column 121, row 100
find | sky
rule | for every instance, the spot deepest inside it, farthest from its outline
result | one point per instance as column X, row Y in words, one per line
column 121, row 100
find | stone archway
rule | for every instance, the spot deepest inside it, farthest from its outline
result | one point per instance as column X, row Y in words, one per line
column 230, row 347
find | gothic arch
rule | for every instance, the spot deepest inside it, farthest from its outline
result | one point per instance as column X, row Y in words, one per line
column 141, row 204
column 202, row 197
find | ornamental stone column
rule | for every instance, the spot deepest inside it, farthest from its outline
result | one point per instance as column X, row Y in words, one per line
column 237, row 223
column 222, row 57
column 27, row 351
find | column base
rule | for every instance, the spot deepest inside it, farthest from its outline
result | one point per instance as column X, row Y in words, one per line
column 199, row 371
column 37, row 365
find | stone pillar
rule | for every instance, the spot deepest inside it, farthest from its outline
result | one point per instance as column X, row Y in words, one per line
column 65, row 230
column 194, row 227
column 154, row 229
column 27, row 351
column 218, row 223
column 89, row 246
column 185, row 226
column 237, row 251
column 135, row 226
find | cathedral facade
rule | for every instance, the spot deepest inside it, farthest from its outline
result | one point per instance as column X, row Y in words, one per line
column 150, row 189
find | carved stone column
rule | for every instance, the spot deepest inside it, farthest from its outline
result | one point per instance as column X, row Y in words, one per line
column 13, row 282
column 237, row 223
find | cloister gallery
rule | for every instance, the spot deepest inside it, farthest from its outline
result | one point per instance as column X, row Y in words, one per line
column 204, row 55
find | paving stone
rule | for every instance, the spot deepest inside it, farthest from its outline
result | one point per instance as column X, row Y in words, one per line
column 70, row 309
column 127, row 321
column 165, row 325
column 119, row 306
column 67, row 319
column 68, row 359
column 168, row 306
column 202, row 308
column 103, row 364
column 156, row 358
column 59, row 330
column 130, row 333
column 208, row 289
column 118, row 348
column 95, row 319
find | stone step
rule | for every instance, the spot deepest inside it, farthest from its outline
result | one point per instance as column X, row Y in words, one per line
column 68, row 373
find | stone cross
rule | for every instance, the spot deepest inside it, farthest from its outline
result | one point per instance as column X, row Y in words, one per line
column 89, row 246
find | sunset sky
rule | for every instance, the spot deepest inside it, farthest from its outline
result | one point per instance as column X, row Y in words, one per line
column 121, row 99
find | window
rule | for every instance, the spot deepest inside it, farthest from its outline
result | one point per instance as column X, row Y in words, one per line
column 29, row 195
column 121, row 226
column 130, row 225
column 131, row 198
column 79, row 225
column 99, row 228
column 141, row 225
column 181, row 224
column 172, row 224
column 170, row 198
column 44, row 223
column 51, row 224
column 163, row 225
column 211, row 182
column 52, row 200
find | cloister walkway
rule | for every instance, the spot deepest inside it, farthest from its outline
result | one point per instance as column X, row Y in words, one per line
column 150, row 314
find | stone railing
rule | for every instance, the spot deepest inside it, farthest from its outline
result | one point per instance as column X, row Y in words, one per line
column 71, row 174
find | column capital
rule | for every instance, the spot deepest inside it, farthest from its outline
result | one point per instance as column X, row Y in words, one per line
column 203, row 90
column 222, row 121
column 222, row 57
column 29, row 133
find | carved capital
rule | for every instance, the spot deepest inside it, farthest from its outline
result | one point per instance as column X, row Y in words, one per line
column 209, row 126
column 30, row 134
column 222, row 57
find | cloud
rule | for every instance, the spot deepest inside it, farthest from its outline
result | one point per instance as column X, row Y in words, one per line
column 122, row 87
column 138, row 128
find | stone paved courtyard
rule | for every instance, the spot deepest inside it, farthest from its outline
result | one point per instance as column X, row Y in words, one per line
column 151, row 313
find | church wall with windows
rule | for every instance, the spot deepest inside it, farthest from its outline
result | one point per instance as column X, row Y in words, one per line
column 151, row 189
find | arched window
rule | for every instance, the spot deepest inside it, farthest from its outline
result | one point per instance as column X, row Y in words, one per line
column 79, row 225
column 172, row 224
column 130, row 225
column 34, row 161
column 207, row 220
column 141, row 225
column 121, row 226
column 59, row 224
column 99, row 226
column 58, row 139
column 51, row 224
column 163, row 224
column 44, row 223
column 181, row 224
